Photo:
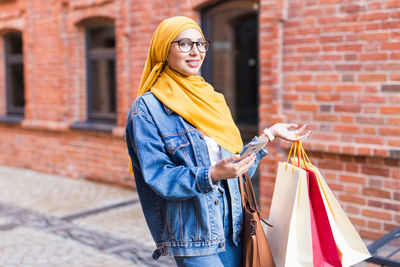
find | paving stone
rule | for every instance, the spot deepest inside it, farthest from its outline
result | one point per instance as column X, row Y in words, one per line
column 49, row 220
column 22, row 247
column 124, row 223
column 56, row 195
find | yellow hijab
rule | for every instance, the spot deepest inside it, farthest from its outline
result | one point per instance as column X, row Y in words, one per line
column 189, row 96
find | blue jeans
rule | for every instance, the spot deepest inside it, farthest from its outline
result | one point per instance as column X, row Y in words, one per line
column 231, row 257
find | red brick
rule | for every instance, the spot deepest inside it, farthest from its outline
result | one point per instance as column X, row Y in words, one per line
column 357, row 221
column 370, row 235
column 347, row 128
column 327, row 97
column 307, row 88
column 327, row 77
column 375, row 16
column 389, row 25
column 348, row 67
column 390, row 66
column 395, row 77
column 300, row 41
column 377, row 214
column 350, row 167
column 373, row 192
column 373, row 56
column 348, row 88
column 328, row 39
column 372, row 77
column 373, row 26
column 347, row 108
column 346, row 98
column 370, row 109
column 371, row 99
column 395, row 14
column 308, row 31
column 393, row 131
column 331, row 19
column 352, row 199
column 347, row 118
column 369, row 130
column 374, row 225
column 375, row 203
column 395, row 56
column 392, row 4
column 389, row 227
column 356, row 7
column 349, row 47
column 306, row 107
column 352, row 209
column 390, row 109
column 368, row 170
column 369, row 140
column 390, row 46
column 352, row 179
column 325, row 117
column 392, row 88
column 374, row 36
column 391, row 206
column 376, row 5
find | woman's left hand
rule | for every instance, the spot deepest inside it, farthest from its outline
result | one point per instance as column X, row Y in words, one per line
column 287, row 131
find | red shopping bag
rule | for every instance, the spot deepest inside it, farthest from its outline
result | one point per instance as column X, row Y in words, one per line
column 325, row 253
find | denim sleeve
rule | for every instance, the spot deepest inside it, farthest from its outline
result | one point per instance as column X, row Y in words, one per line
column 259, row 156
column 159, row 172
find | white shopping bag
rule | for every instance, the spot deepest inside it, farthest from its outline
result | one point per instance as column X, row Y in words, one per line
column 290, row 237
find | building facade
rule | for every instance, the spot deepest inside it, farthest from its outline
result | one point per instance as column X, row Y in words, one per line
column 69, row 71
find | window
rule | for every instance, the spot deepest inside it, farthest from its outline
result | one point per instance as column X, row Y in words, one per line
column 101, row 75
column 14, row 70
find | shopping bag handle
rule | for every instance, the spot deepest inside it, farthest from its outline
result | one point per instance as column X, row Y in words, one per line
column 301, row 154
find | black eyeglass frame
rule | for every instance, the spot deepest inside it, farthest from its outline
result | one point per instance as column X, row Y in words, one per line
column 192, row 45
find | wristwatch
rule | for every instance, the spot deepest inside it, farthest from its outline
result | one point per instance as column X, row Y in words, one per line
column 268, row 133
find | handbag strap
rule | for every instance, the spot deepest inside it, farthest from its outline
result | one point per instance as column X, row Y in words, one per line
column 246, row 189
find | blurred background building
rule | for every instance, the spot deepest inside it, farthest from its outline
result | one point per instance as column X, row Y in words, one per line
column 69, row 71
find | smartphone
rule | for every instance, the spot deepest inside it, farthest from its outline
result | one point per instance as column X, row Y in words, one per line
column 252, row 148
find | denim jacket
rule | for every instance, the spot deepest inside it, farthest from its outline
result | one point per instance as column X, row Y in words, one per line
column 171, row 166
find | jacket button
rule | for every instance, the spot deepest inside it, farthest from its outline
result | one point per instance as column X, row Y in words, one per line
column 221, row 245
column 216, row 202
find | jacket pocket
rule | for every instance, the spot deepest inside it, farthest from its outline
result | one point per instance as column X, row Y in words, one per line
column 175, row 142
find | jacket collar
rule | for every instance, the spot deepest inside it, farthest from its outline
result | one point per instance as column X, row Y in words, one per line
column 167, row 110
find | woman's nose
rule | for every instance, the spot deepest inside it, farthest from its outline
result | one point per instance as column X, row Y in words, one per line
column 195, row 51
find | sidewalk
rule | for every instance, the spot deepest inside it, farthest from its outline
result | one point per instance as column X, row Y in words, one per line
column 53, row 221
column 48, row 220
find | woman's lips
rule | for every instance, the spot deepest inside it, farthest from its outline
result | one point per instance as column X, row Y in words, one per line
column 193, row 63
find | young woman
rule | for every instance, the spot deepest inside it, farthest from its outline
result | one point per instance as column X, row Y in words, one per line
column 183, row 142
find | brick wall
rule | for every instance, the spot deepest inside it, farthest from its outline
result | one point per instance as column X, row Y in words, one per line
column 332, row 63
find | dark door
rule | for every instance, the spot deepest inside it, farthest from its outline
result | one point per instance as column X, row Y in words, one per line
column 246, row 70
column 246, row 80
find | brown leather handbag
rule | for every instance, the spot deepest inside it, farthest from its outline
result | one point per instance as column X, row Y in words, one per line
column 256, row 251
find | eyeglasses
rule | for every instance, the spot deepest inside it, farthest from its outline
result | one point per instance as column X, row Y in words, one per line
column 186, row 45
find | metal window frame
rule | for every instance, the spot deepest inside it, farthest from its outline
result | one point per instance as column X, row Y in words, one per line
column 9, row 59
column 110, row 53
column 376, row 245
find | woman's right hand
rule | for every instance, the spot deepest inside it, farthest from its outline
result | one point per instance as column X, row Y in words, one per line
column 228, row 168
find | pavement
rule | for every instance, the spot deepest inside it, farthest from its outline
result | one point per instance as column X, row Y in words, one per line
column 48, row 220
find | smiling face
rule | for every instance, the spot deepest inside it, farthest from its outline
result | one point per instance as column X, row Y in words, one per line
column 188, row 63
